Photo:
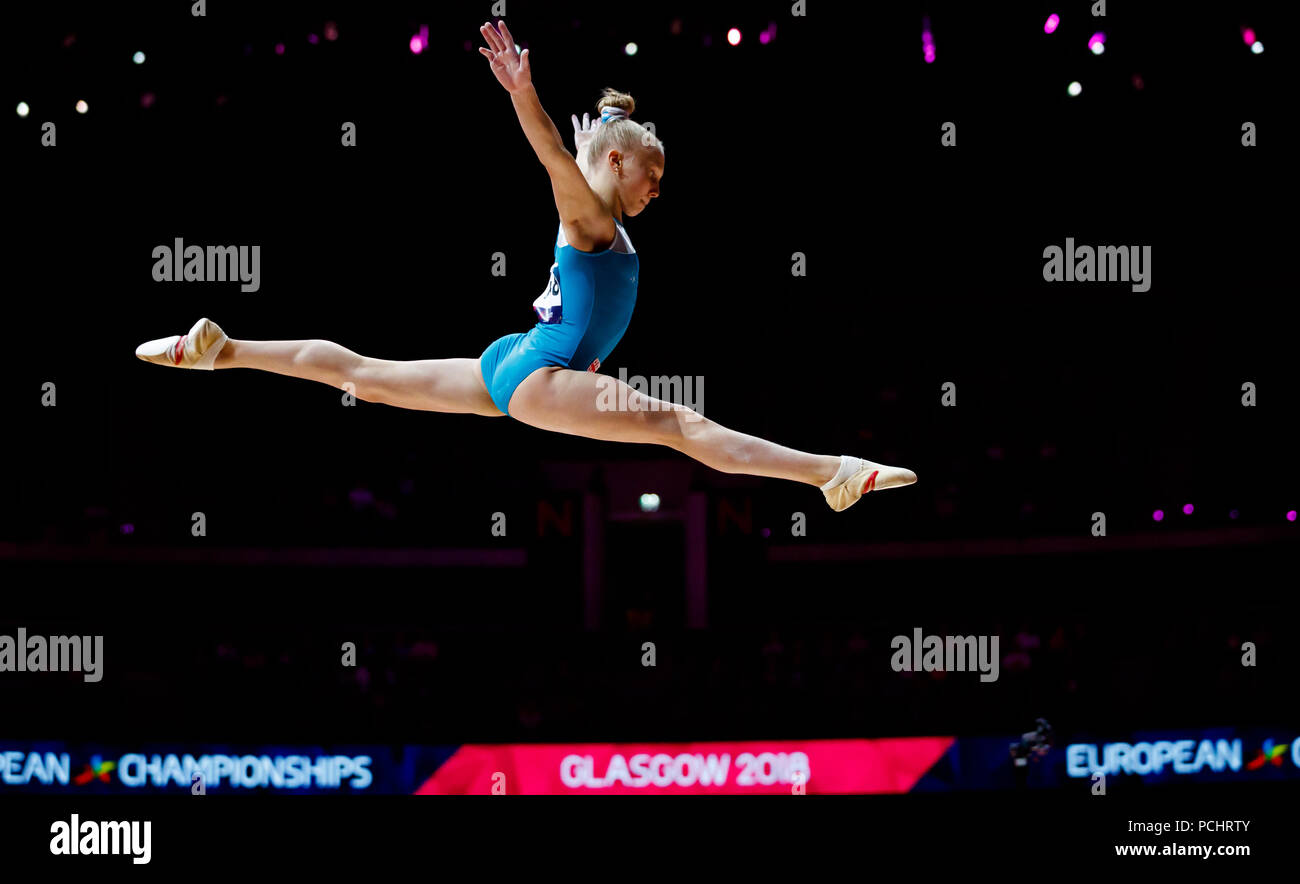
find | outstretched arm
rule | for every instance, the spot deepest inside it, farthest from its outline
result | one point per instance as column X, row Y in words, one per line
column 514, row 72
column 578, row 206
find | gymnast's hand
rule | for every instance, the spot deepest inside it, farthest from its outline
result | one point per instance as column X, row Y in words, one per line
column 511, row 68
column 583, row 133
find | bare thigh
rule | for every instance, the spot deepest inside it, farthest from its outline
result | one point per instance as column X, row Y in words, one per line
column 448, row 385
column 597, row 406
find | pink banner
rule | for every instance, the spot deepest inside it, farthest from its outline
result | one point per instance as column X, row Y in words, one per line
column 725, row 768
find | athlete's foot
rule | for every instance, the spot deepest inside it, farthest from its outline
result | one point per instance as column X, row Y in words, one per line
column 857, row 477
column 198, row 348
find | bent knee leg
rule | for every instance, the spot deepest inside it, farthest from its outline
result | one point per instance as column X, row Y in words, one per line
column 329, row 362
column 676, row 425
column 372, row 380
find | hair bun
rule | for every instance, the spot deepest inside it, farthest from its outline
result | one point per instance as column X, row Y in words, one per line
column 620, row 103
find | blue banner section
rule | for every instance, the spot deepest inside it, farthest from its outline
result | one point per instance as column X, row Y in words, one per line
column 87, row 768
column 1151, row 757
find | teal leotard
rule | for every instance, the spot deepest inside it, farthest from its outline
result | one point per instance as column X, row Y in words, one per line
column 581, row 315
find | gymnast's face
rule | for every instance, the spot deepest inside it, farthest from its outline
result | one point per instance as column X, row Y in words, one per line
column 638, row 180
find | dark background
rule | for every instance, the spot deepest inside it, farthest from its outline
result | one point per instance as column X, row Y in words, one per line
column 924, row 267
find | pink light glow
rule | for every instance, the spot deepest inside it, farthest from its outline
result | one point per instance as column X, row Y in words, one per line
column 1098, row 37
column 1052, row 21
column 1187, row 509
column 1158, row 515
column 733, row 36
column 764, row 38
column 1290, row 516
column 1248, row 36
column 420, row 41
column 279, row 49
column 331, row 31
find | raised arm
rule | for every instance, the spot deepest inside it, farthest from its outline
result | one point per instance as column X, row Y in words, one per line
column 584, row 216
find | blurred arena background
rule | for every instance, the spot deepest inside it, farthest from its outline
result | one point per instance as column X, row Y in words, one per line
column 328, row 524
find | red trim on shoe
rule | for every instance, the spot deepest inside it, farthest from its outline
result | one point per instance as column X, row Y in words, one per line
column 179, row 353
column 871, row 482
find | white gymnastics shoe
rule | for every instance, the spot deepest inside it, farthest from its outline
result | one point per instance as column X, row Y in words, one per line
column 197, row 349
column 857, row 476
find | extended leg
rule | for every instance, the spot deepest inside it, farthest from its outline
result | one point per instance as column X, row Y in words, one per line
column 447, row 385
column 578, row 402
column 568, row 401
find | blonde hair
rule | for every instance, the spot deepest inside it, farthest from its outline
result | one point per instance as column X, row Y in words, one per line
column 625, row 134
